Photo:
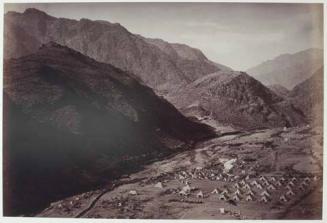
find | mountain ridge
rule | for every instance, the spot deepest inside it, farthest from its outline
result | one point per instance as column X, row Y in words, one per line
column 110, row 43
column 288, row 70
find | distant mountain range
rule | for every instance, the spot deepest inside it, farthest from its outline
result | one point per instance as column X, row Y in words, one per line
column 170, row 69
column 161, row 65
column 72, row 122
column 288, row 70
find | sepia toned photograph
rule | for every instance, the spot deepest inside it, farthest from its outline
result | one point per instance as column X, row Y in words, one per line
column 171, row 110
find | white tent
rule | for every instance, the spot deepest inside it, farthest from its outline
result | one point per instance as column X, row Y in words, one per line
column 222, row 197
column 283, row 198
column 271, row 187
column 265, row 193
column 264, row 199
column 249, row 197
column 158, row 185
column 132, row 192
column 236, row 197
column 290, row 193
column 222, row 210
column 199, row 195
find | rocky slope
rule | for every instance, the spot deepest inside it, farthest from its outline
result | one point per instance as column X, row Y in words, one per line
column 288, row 70
column 72, row 123
column 238, row 99
column 279, row 90
column 308, row 96
column 161, row 65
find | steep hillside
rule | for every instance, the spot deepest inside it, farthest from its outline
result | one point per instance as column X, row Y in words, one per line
column 161, row 65
column 288, row 70
column 78, row 123
column 238, row 99
column 279, row 90
column 308, row 96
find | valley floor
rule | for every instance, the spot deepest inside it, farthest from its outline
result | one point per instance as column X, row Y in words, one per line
column 251, row 172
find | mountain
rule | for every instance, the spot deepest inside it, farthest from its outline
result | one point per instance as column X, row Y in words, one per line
column 238, row 99
column 308, row 96
column 168, row 68
column 288, row 70
column 279, row 90
column 161, row 65
column 72, row 123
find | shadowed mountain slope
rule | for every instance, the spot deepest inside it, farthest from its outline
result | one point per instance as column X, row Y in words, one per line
column 76, row 122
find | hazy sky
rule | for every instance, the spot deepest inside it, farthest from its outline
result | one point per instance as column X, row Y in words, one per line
column 234, row 34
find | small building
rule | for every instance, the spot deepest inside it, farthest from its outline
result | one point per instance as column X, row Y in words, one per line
column 215, row 191
column 243, row 182
column 288, row 187
column 238, row 192
column 293, row 179
column 273, row 179
column 282, row 179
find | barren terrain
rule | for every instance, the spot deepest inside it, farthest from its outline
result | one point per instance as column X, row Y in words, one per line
column 244, row 167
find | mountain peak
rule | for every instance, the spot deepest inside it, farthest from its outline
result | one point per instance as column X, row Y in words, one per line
column 34, row 11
